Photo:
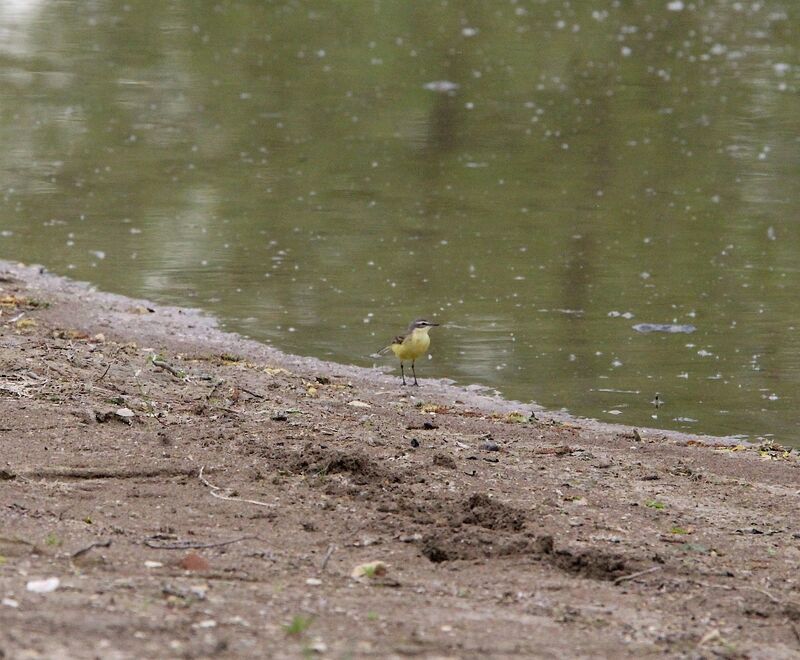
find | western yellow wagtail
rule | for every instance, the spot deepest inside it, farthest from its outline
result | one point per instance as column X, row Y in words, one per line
column 411, row 345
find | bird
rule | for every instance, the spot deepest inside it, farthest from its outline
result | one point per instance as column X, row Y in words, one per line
column 411, row 345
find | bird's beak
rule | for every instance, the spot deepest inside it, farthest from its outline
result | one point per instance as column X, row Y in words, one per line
column 432, row 324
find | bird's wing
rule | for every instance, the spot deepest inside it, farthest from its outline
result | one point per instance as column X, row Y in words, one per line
column 397, row 340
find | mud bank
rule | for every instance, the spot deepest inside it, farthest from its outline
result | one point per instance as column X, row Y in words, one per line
column 201, row 495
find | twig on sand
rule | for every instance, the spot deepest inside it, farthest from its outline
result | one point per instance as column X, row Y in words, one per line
column 744, row 587
column 217, row 385
column 326, row 558
column 230, row 498
column 97, row 380
column 632, row 576
column 103, row 473
column 83, row 551
column 163, row 364
column 251, row 393
column 186, row 545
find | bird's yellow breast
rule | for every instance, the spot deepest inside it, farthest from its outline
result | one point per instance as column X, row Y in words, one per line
column 414, row 344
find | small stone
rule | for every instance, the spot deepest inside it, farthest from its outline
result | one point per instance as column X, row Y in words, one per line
column 444, row 460
column 359, row 404
column 318, row 646
column 85, row 415
column 410, row 538
column 194, row 562
column 369, row 570
column 43, row 586
column 489, row 445
column 125, row 415
column 313, row 582
column 414, row 443
column 153, row 564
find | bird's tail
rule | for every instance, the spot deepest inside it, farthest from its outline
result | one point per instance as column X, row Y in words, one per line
column 385, row 350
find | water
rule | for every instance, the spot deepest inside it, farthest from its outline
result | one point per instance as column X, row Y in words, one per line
column 538, row 176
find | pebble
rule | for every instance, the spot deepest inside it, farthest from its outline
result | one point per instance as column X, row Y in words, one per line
column 194, row 562
column 43, row 586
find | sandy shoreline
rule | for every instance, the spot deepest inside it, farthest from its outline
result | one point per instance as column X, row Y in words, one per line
column 503, row 535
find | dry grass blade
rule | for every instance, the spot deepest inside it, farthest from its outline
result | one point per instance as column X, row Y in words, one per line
column 214, row 490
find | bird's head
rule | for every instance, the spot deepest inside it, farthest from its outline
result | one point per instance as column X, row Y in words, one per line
column 418, row 324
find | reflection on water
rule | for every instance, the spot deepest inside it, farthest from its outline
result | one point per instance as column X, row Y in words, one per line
column 539, row 176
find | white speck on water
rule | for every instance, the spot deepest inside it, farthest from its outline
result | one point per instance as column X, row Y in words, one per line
column 98, row 253
column 771, row 235
column 625, row 51
column 773, row 397
column 781, row 68
column 704, row 353
column 469, row 31
column 614, row 412
column 675, row 5
column 617, row 363
column 442, row 86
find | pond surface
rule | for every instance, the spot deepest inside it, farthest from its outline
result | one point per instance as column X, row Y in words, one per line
column 540, row 177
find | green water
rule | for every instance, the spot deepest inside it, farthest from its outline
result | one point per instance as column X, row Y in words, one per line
column 538, row 176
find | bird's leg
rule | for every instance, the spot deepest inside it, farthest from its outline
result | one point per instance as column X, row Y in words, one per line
column 402, row 373
column 414, row 372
